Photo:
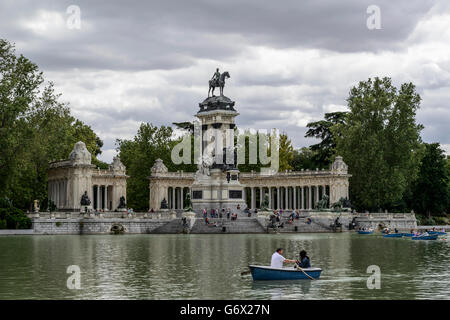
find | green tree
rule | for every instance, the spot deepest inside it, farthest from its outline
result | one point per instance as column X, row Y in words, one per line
column 380, row 142
column 324, row 151
column 35, row 128
column 286, row 153
column 304, row 158
column 431, row 193
column 139, row 155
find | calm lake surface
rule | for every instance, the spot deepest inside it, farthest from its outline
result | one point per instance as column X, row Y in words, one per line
column 209, row 267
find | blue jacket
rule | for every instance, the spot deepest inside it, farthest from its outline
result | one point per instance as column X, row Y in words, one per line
column 305, row 263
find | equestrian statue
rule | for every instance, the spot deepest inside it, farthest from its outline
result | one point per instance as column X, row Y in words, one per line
column 217, row 80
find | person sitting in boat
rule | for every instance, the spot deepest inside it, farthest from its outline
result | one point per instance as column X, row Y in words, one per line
column 304, row 260
column 278, row 260
column 396, row 230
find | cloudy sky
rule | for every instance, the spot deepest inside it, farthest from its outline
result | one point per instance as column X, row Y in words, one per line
column 290, row 60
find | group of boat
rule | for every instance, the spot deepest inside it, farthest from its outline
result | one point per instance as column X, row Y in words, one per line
column 296, row 273
column 427, row 235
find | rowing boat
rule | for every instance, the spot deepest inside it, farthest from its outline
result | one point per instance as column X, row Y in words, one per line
column 365, row 232
column 393, row 235
column 439, row 233
column 430, row 237
column 269, row 273
column 408, row 234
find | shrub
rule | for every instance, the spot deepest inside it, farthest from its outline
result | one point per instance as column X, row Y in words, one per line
column 14, row 219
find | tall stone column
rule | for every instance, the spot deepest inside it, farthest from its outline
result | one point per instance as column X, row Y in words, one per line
column 99, row 200
column 173, row 198
column 261, row 196
column 286, row 197
column 253, row 202
column 295, row 197
column 106, row 198
column 270, row 198
column 309, row 197
column 278, row 198
column 301, row 198
column 181, row 198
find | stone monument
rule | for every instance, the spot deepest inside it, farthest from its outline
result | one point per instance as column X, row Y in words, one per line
column 216, row 183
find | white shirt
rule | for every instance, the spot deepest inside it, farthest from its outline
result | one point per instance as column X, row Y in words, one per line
column 277, row 260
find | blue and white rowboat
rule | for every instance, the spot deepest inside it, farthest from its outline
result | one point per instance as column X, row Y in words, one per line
column 439, row 233
column 431, row 237
column 365, row 232
column 269, row 273
column 393, row 235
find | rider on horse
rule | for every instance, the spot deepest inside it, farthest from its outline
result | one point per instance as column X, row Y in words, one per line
column 216, row 77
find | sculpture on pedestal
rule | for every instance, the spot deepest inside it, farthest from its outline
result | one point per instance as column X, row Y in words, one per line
column 122, row 203
column 218, row 80
column 187, row 203
column 85, row 201
column 164, row 204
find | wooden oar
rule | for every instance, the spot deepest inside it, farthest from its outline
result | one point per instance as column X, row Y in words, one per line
column 298, row 268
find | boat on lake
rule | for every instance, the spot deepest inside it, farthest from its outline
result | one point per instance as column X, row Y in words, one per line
column 408, row 234
column 439, row 233
column 425, row 237
column 365, row 232
column 393, row 235
column 269, row 273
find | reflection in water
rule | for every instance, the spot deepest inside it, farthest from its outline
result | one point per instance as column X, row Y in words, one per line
column 209, row 267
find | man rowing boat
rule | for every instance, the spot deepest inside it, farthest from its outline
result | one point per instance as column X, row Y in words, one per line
column 278, row 260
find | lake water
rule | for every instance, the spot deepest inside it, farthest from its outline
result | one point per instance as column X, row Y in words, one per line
column 209, row 267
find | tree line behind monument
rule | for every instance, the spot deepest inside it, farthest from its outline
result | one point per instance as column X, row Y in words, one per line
column 379, row 138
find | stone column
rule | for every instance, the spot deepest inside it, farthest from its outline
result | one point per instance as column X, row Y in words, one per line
column 309, row 197
column 278, row 198
column 295, row 197
column 270, row 197
column 286, row 197
column 253, row 202
column 173, row 198
column 181, row 198
column 106, row 198
column 100, row 197
column 261, row 196
column 301, row 197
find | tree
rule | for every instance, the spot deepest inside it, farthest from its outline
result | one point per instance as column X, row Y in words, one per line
column 325, row 150
column 286, row 153
column 304, row 158
column 380, row 142
column 35, row 128
column 431, row 193
column 139, row 155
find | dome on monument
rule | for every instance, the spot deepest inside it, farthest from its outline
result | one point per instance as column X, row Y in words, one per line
column 80, row 154
column 217, row 103
column 159, row 167
column 339, row 165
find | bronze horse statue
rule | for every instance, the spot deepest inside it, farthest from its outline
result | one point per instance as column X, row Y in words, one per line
column 218, row 83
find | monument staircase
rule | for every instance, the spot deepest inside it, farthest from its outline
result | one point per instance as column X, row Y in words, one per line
column 174, row 226
column 224, row 225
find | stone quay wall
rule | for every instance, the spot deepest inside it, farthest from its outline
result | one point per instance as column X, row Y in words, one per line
column 170, row 222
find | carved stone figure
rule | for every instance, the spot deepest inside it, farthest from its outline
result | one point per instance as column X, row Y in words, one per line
column 80, row 154
column 85, row 201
